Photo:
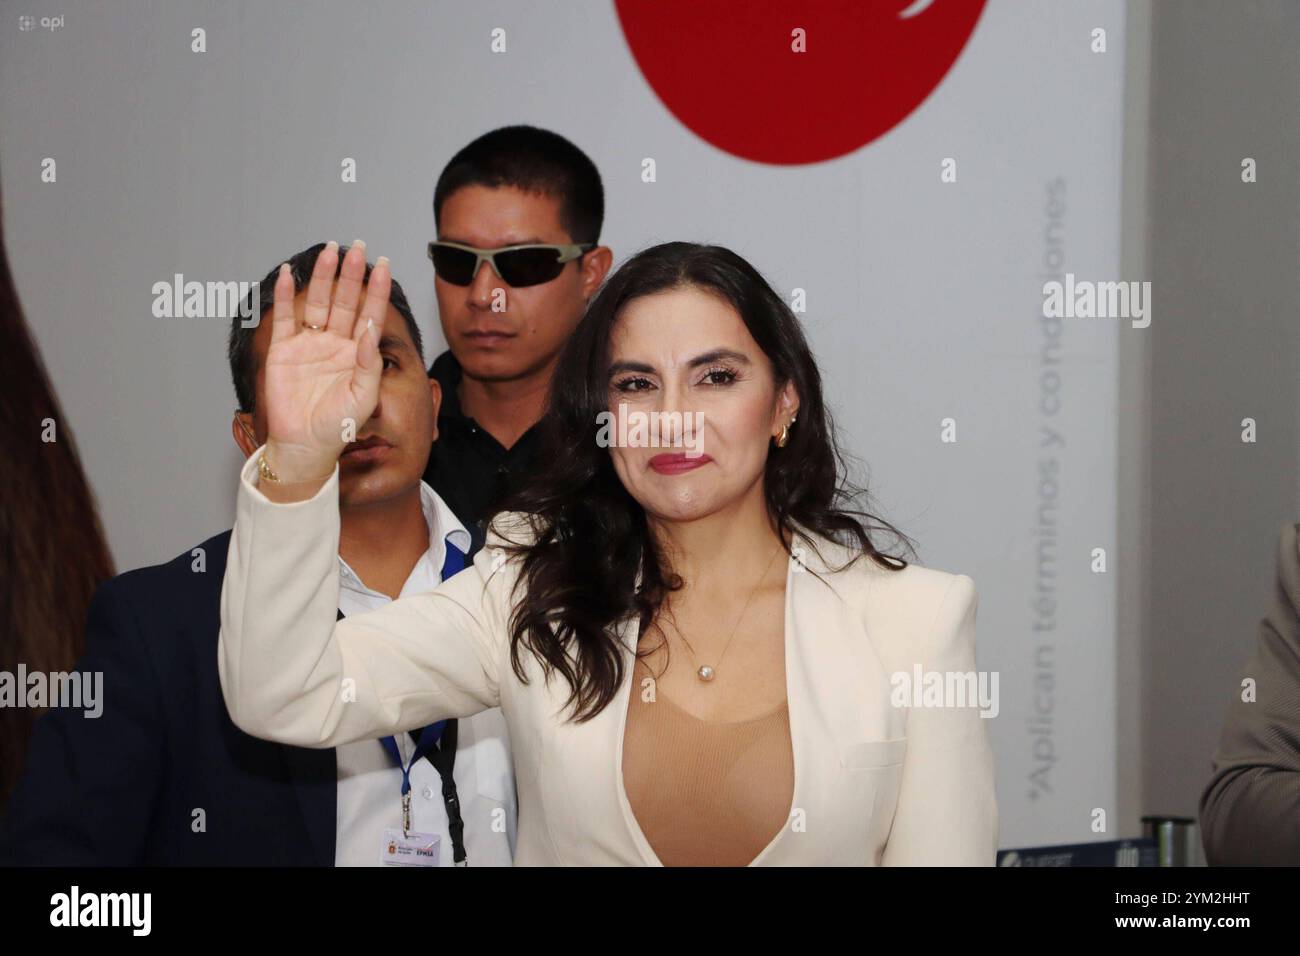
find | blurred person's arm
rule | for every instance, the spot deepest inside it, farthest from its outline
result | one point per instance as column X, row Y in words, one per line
column 1250, row 810
column 90, row 784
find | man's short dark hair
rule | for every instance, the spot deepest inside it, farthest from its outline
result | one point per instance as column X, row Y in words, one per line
column 534, row 160
column 240, row 349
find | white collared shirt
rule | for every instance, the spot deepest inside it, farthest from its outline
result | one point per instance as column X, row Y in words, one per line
column 369, row 784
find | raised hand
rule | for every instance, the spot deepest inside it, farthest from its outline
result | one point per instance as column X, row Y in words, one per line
column 323, row 374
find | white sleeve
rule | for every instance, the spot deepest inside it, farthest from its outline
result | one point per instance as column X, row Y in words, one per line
column 947, row 811
column 291, row 672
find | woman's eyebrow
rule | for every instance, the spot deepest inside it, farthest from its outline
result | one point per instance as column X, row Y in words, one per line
column 618, row 367
column 719, row 355
column 705, row 358
column 394, row 344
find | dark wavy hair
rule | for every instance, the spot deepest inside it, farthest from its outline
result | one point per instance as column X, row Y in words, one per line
column 578, row 574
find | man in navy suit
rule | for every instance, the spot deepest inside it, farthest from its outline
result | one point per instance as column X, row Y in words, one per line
column 162, row 776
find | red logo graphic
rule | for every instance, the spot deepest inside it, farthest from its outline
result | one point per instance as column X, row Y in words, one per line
column 730, row 73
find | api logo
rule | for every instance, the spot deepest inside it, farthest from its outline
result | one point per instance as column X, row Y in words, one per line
column 27, row 24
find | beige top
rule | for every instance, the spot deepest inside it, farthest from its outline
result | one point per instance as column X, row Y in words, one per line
column 706, row 793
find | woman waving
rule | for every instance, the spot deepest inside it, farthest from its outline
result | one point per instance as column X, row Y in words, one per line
column 695, row 643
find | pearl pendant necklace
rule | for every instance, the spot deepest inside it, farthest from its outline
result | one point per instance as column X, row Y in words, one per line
column 705, row 672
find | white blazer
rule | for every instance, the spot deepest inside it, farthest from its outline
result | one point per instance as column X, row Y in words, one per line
column 874, row 783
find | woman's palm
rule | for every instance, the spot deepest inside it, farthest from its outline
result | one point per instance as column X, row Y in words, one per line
column 310, row 394
column 322, row 375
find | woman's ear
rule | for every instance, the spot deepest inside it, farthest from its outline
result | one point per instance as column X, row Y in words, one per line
column 787, row 403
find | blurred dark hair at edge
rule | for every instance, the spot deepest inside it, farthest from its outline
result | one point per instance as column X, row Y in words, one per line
column 53, row 553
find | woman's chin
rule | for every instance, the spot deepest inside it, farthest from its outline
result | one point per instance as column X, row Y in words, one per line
column 679, row 508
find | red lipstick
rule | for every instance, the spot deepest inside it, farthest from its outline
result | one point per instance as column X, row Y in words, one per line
column 678, row 463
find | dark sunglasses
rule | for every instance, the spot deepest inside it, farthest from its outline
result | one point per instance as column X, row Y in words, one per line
column 517, row 266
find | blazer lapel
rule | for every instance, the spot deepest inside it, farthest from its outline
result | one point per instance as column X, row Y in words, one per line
column 833, row 660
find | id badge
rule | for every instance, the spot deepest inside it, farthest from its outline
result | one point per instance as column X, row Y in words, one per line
column 413, row 849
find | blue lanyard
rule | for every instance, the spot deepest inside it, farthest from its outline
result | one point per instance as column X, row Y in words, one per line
column 430, row 735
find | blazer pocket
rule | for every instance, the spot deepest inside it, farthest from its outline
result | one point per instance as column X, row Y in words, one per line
column 873, row 753
column 492, row 763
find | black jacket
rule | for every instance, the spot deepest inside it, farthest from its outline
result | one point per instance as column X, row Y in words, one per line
column 162, row 777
